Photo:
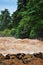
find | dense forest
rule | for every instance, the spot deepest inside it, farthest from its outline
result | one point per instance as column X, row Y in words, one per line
column 25, row 22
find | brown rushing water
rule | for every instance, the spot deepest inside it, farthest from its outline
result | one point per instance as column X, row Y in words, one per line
column 10, row 45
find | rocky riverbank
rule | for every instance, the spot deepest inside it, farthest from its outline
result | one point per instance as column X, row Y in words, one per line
column 22, row 59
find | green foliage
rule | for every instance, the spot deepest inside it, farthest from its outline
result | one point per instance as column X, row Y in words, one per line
column 16, row 17
column 5, row 19
column 12, row 31
column 33, row 33
column 6, row 32
column 25, row 22
column 22, row 5
column 23, row 28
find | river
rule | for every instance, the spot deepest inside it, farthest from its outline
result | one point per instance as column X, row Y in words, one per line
column 11, row 45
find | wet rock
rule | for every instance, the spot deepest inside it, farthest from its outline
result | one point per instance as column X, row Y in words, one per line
column 12, row 62
column 21, row 59
column 26, row 59
column 10, row 56
column 38, row 55
column 20, row 55
column 7, row 56
column 1, row 57
column 38, row 61
column 1, row 63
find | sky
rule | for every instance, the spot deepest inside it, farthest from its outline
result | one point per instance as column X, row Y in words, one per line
column 11, row 5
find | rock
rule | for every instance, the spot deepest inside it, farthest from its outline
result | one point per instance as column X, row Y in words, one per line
column 21, row 59
column 38, row 61
column 10, row 56
column 27, row 58
column 20, row 55
column 7, row 56
column 38, row 55
column 1, row 57
column 1, row 63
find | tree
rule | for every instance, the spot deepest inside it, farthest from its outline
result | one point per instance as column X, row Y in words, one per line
column 5, row 18
column 26, row 21
column 34, row 10
column 16, row 17
column 22, row 5
column 23, row 29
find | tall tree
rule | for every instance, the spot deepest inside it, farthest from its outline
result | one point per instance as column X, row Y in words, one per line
column 16, row 17
column 5, row 18
column 22, row 5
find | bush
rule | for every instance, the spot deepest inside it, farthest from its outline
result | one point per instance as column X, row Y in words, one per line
column 23, row 28
column 6, row 32
column 33, row 33
column 13, row 31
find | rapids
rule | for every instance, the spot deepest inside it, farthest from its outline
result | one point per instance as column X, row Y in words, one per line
column 10, row 45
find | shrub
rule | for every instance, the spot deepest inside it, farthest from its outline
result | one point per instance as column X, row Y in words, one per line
column 33, row 33
column 13, row 31
column 6, row 32
column 23, row 28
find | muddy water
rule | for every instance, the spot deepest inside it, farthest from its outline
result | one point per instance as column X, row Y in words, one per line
column 10, row 45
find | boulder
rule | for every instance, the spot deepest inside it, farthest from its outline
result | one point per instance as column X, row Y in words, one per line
column 38, row 55
column 1, row 57
column 7, row 56
column 20, row 55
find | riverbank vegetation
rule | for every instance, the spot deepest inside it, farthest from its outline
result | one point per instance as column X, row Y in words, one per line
column 25, row 22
